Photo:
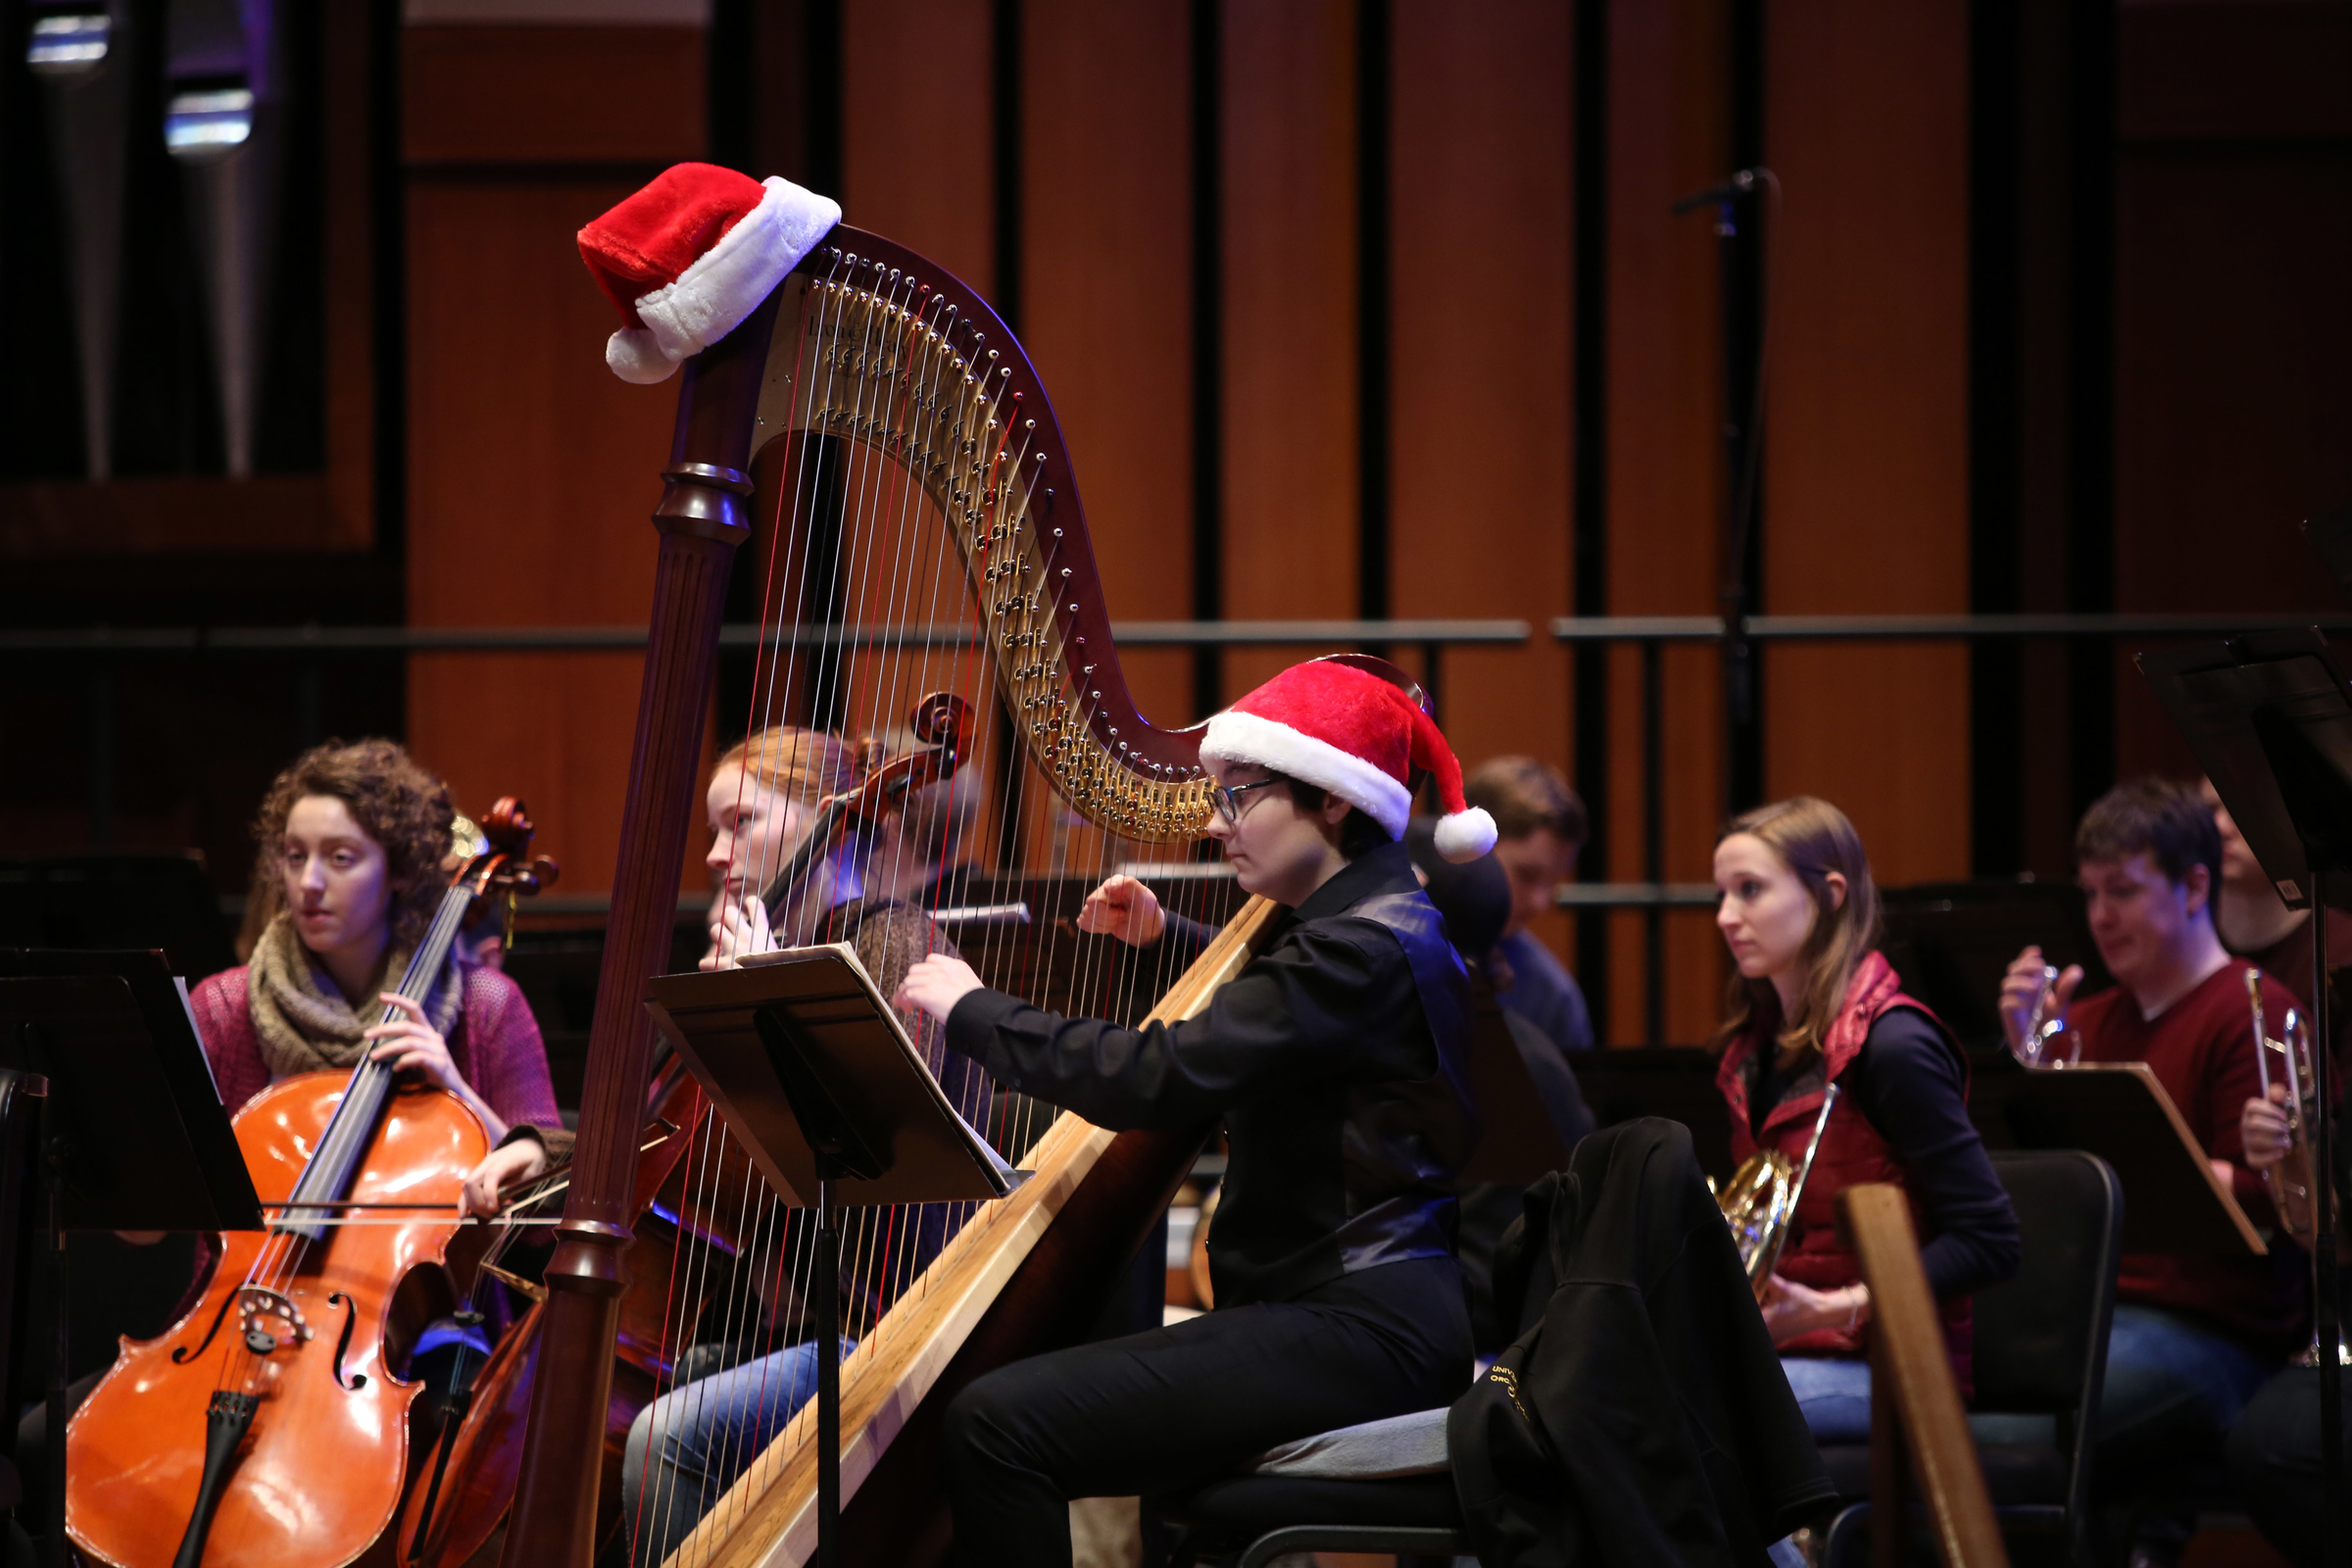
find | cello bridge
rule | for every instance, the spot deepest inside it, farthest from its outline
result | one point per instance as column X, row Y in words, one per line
column 256, row 1305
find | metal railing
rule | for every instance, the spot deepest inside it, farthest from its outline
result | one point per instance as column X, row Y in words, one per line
column 103, row 647
column 1653, row 894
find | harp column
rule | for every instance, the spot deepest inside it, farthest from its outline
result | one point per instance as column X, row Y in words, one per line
column 704, row 515
column 82, row 58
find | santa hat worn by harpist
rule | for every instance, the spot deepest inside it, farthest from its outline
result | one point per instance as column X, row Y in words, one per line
column 1348, row 731
column 687, row 258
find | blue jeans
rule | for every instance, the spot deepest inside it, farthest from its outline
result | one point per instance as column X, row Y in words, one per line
column 1834, row 1394
column 688, row 1446
column 2173, row 1386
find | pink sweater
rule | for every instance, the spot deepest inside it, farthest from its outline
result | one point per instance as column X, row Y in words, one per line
column 495, row 1044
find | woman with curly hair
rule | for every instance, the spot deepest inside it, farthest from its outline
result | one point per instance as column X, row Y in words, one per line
column 357, row 835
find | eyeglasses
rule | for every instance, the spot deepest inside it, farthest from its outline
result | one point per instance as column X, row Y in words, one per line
column 1227, row 799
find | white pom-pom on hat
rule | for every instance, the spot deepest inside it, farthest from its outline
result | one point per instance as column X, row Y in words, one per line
column 1465, row 835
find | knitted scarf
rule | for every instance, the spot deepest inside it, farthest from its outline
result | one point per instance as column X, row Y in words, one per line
column 304, row 1022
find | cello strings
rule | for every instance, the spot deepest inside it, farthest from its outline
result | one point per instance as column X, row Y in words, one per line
column 283, row 1249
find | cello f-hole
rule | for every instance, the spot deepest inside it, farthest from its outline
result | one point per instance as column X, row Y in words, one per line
column 183, row 1355
column 351, row 1318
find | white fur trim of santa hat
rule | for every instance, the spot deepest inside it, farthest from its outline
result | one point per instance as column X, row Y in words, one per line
column 724, row 284
column 1237, row 737
column 1345, row 729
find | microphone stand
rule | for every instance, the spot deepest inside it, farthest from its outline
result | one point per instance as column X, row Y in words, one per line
column 2325, row 1308
column 1732, row 598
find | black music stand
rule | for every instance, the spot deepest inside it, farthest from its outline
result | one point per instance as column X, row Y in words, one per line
column 2269, row 716
column 132, row 1133
column 814, row 1072
column 2173, row 1203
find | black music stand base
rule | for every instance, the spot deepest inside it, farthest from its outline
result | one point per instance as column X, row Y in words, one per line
column 828, row 1379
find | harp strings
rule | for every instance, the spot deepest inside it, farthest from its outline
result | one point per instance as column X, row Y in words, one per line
column 865, row 598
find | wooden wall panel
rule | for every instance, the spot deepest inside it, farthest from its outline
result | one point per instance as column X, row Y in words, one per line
column 347, row 101
column 1668, row 134
column 1866, row 435
column 1479, row 461
column 1291, row 491
column 533, row 470
column 915, row 107
column 551, row 94
column 2234, row 223
column 1107, row 297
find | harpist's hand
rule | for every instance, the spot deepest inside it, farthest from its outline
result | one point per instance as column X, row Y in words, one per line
column 1125, row 909
column 935, row 985
column 740, row 928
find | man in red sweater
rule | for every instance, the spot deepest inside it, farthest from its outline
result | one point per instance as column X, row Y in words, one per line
column 2194, row 1337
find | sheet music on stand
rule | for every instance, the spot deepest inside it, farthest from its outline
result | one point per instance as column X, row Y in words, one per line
column 2270, row 717
column 815, row 1075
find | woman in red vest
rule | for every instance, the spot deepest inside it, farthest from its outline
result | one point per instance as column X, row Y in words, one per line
column 1813, row 1003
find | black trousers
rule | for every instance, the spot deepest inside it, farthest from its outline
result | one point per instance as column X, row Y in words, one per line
column 1159, row 1412
column 2274, row 1456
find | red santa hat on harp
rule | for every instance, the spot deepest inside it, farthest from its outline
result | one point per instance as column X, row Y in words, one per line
column 1346, row 730
column 686, row 259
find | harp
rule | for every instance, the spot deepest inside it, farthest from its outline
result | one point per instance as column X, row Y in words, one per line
column 877, row 432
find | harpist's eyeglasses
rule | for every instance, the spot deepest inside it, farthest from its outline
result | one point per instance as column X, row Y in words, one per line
column 1228, row 799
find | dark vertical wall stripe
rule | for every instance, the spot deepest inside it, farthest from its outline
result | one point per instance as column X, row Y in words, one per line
column 387, row 203
column 1744, row 316
column 1372, row 87
column 1006, row 52
column 2091, row 386
column 1589, row 519
column 824, row 83
column 1208, row 342
column 1995, row 475
column 729, row 52
column 1005, row 66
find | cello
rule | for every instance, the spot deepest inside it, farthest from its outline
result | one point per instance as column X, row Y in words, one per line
column 270, row 1423
column 471, row 1484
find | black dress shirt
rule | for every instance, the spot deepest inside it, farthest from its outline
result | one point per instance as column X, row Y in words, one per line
column 1336, row 1059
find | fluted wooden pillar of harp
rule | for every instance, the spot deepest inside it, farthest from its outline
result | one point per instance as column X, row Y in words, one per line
column 702, row 520
column 958, row 561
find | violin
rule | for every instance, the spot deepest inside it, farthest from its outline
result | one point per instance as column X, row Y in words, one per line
column 478, row 1457
column 268, row 1426
column 941, row 723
